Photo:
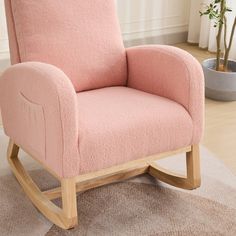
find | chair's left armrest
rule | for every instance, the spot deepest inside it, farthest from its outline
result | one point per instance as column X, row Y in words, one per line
column 172, row 73
column 39, row 110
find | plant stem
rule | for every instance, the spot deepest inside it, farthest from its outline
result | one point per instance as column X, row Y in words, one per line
column 225, row 33
column 226, row 59
column 218, row 37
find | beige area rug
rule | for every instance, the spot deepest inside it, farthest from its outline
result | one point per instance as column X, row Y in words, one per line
column 141, row 206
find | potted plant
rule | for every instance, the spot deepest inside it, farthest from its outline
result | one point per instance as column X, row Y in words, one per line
column 220, row 72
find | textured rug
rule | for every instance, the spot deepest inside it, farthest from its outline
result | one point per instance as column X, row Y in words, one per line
column 141, row 206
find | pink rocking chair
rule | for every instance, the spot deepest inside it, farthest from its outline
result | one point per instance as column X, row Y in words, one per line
column 90, row 111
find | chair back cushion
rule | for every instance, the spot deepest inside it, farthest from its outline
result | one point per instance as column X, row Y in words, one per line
column 81, row 37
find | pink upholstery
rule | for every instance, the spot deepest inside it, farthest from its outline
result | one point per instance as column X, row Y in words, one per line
column 74, row 133
column 120, row 124
column 80, row 37
column 172, row 73
column 14, row 49
column 39, row 111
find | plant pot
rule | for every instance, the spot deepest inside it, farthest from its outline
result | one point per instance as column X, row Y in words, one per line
column 220, row 85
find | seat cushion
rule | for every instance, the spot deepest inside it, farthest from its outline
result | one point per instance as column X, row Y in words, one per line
column 80, row 37
column 120, row 124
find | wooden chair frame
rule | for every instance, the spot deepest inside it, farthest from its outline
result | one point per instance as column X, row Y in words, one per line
column 66, row 217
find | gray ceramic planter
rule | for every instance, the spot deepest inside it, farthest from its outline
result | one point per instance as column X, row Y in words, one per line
column 220, row 85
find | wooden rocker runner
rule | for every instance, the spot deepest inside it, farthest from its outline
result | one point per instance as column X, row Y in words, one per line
column 89, row 110
column 67, row 216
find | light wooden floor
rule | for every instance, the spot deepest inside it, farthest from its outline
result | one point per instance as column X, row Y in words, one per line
column 220, row 128
column 220, row 131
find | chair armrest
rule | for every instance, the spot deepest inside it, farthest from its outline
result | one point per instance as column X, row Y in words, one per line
column 39, row 110
column 172, row 73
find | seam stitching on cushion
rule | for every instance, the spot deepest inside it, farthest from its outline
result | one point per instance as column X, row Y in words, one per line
column 79, row 154
column 14, row 30
column 127, row 68
column 23, row 43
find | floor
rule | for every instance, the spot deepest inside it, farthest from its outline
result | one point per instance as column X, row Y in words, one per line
column 220, row 128
column 220, row 131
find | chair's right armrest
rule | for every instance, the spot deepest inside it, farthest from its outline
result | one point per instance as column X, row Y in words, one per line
column 39, row 110
column 172, row 73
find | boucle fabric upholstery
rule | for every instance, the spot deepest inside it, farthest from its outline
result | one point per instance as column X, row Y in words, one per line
column 172, row 73
column 80, row 48
column 80, row 37
column 39, row 111
column 121, row 124
column 14, row 49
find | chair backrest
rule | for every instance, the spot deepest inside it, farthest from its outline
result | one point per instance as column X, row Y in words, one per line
column 81, row 37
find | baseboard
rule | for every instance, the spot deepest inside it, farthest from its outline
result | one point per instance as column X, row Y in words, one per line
column 168, row 39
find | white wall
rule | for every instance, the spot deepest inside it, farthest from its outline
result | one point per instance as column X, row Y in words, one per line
column 3, row 32
column 148, row 18
column 140, row 19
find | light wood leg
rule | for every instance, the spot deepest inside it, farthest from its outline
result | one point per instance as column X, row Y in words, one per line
column 191, row 181
column 193, row 167
column 69, row 202
column 65, row 218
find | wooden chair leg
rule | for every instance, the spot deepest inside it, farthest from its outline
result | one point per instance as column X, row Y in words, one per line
column 191, row 181
column 65, row 218
column 69, row 201
column 193, row 167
